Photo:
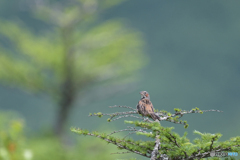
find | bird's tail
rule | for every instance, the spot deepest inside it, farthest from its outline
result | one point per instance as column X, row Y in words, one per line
column 154, row 116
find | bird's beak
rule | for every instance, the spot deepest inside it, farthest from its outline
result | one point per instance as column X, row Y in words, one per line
column 141, row 92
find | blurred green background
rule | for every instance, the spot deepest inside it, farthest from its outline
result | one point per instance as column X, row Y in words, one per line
column 60, row 60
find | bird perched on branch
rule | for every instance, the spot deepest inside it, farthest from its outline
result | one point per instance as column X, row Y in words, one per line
column 145, row 107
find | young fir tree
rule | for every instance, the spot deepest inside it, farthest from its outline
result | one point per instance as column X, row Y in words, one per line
column 165, row 143
column 76, row 51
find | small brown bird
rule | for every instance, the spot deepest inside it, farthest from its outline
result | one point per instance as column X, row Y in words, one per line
column 145, row 107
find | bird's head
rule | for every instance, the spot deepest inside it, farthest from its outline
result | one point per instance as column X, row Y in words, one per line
column 145, row 94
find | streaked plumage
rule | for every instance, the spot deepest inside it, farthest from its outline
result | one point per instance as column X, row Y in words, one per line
column 145, row 107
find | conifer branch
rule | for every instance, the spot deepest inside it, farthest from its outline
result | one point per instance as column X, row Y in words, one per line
column 207, row 154
column 174, row 140
column 219, row 148
column 172, row 145
column 212, row 141
column 85, row 132
column 135, row 144
column 156, row 148
column 163, row 115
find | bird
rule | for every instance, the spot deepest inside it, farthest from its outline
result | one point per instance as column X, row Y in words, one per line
column 145, row 107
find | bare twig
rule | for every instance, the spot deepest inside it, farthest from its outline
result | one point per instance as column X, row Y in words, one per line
column 147, row 120
column 123, row 107
column 140, row 130
column 181, row 113
column 126, row 116
column 194, row 111
column 135, row 130
column 114, row 114
column 177, row 122
column 121, row 152
column 131, row 129
column 128, row 134
column 121, row 131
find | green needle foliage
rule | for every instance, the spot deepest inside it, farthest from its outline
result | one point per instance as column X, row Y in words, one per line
column 74, row 52
column 164, row 141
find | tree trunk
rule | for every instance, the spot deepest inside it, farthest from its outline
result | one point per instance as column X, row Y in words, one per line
column 67, row 94
column 67, row 97
column 64, row 108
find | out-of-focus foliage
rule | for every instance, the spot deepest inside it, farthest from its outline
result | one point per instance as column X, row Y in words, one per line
column 73, row 45
column 12, row 140
column 45, row 148
column 73, row 52
column 106, row 51
column 15, row 145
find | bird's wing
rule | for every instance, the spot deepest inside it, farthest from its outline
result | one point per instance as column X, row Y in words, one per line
column 152, row 108
column 140, row 107
column 149, row 107
column 150, row 111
